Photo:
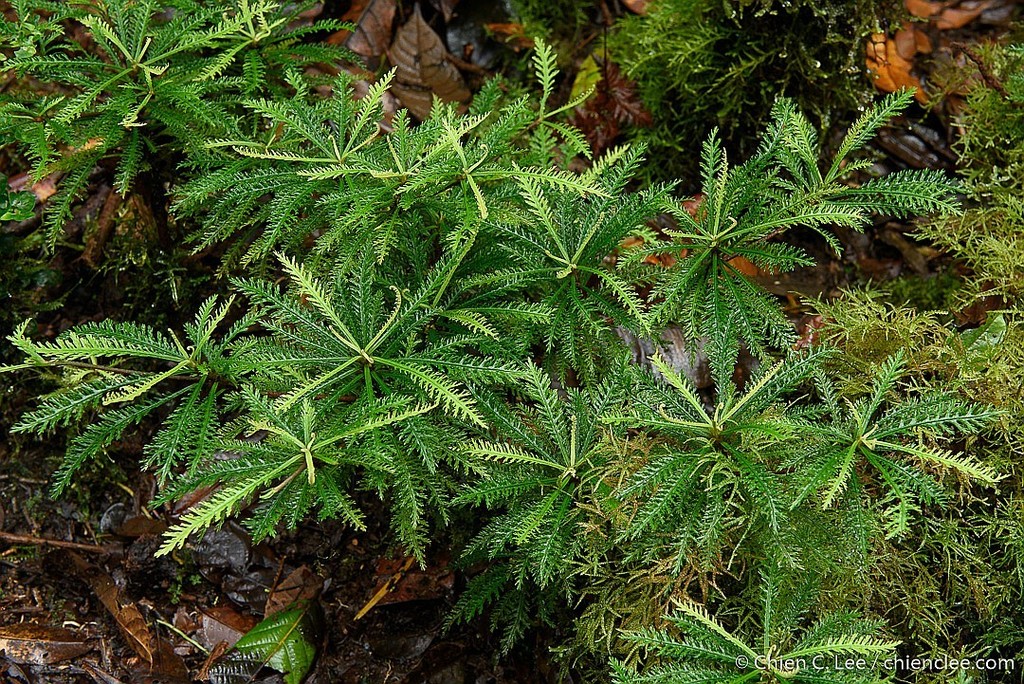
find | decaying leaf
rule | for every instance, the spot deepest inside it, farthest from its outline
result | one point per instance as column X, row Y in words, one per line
column 28, row 644
column 947, row 16
column 223, row 624
column 745, row 266
column 512, row 34
column 43, row 190
column 414, row 583
column 958, row 17
column 615, row 104
column 156, row 653
column 388, row 586
column 373, row 29
column 285, row 641
column 890, row 69
column 423, row 68
column 302, row 584
column 636, row 6
column 923, row 9
column 130, row 621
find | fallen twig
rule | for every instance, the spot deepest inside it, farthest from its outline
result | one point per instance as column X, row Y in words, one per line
column 27, row 540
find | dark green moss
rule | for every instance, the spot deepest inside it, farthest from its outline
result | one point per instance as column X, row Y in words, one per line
column 703, row 64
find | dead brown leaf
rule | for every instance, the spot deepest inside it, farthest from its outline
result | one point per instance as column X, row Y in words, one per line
column 98, row 675
column 947, row 16
column 157, row 654
column 388, row 586
column 416, row 584
column 906, row 43
column 614, row 104
column 29, row 644
column 809, row 328
column 167, row 667
column 923, row 9
column 216, row 653
column 302, row 584
column 140, row 526
column 223, row 624
column 423, row 68
column 373, row 29
column 745, row 266
column 43, row 190
column 636, row 6
column 127, row 615
column 692, row 205
column 664, row 259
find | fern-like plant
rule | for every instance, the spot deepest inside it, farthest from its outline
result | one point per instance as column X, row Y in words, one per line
column 840, row 648
column 154, row 78
column 543, row 463
column 330, row 173
column 110, row 366
column 714, row 469
column 894, row 442
column 746, row 208
column 427, row 314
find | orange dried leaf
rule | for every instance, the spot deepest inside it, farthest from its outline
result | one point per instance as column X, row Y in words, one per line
column 906, row 44
column 43, row 190
column 891, row 71
column 744, row 266
column 301, row 585
column 692, row 205
column 923, row 9
column 958, row 17
column 922, row 42
column 514, row 35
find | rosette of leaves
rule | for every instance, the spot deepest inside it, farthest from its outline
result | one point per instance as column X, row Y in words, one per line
column 313, row 457
column 326, row 170
column 126, row 372
column 696, row 647
column 713, row 471
column 143, row 83
column 368, row 355
column 317, row 390
column 897, row 440
column 744, row 210
column 559, row 248
column 544, row 460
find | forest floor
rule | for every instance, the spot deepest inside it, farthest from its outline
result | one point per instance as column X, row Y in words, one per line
column 84, row 566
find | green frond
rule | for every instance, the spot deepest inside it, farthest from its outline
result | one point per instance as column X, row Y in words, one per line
column 866, row 127
column 101, row 434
